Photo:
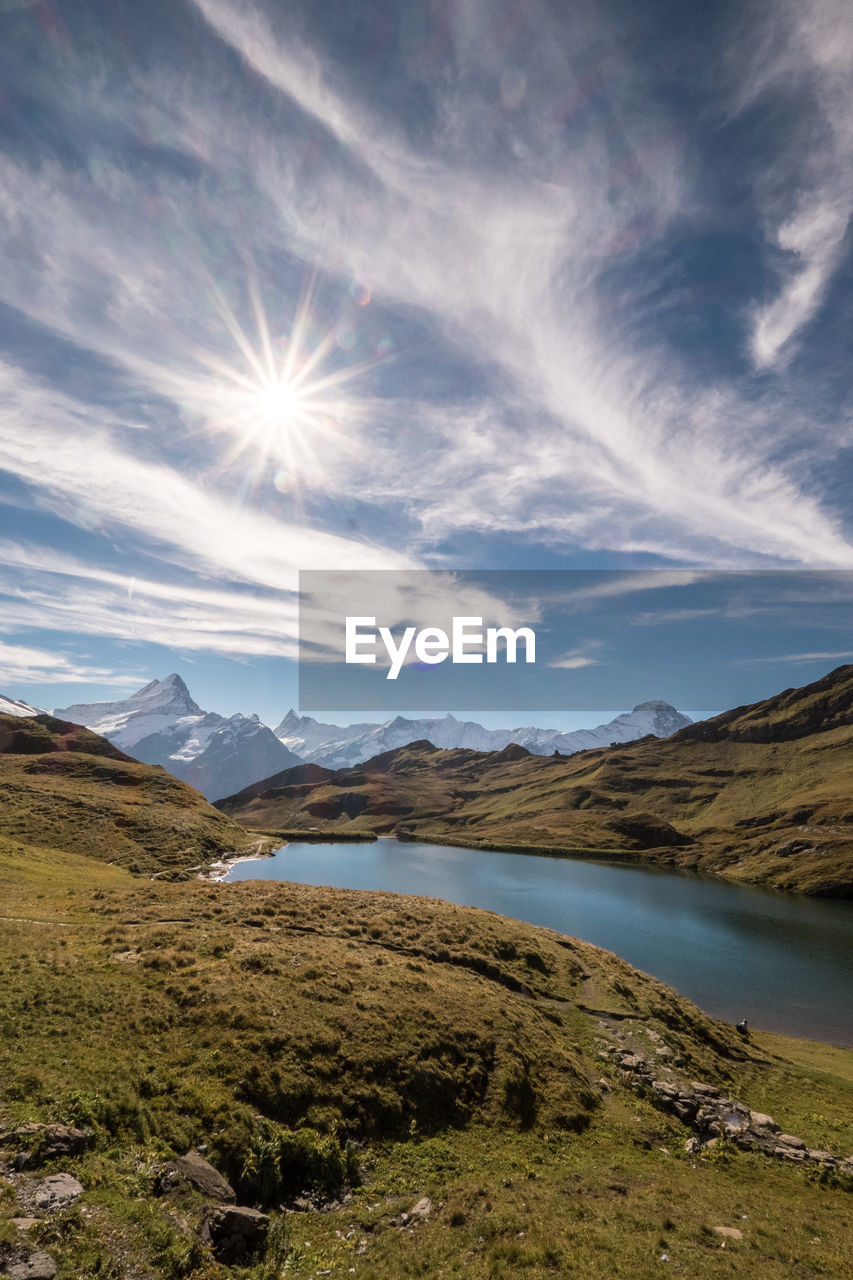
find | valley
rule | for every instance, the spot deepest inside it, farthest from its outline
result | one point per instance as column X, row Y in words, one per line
column 759, row 794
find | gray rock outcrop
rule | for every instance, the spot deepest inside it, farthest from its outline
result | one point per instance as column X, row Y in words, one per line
column 714, row 1118
column 235, row 1232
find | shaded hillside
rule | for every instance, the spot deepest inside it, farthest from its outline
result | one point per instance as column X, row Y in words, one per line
column 762, row 793
column 63, row 786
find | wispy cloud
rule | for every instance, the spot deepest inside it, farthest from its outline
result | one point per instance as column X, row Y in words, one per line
column 836, row 656
column 619, row 447
column 83, row 474
column 547, row 412
column 801, row 51
column 573, row 661
column 20, row 664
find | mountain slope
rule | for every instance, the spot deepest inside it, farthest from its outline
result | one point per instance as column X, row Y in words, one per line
column 338, row 746
column 12, row 707
column 761, row 793
column 64, row 787
column 161, row 724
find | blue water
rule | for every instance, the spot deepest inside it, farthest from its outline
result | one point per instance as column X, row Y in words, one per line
column 783, row 962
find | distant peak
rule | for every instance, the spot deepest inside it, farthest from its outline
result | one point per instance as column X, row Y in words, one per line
column 173, row 681
column 175, row 684
column 168, row 694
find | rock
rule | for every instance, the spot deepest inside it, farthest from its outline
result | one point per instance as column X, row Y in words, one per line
column 202, row 1175
column 57, row 1191
column 692, row 1146
column 823, row 1157
column 734, row 1121
column 758, row 1120
column 630, row 1062
column 235, row 1231
column 731, row 1233
column 790, row 1153
column 39, row 1266
column 422, row 1209
column 665, row 1088
column 40, row 1142
column 704, row 1090
column 788, row 1140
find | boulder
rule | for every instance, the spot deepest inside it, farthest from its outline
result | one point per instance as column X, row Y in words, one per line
column 36, row 1143
column 235, row 1231
column 758, row 1120
column 202, row 1175
column 788, row 1140
column 39, row 1266
column 664, row 1088
column 57, row 1192
column 730, row 1233
column 421, row 1210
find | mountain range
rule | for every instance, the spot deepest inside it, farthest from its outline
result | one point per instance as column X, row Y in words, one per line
column 760, row 793
column 219, row 755
column 338, row 746
column 161, row 724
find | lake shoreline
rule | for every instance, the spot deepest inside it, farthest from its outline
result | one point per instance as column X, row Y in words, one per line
column 737, row 950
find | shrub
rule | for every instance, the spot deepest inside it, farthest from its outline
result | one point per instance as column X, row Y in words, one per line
column 282, row 1163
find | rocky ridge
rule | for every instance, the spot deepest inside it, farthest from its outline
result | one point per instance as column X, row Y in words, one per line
column 713, row 1117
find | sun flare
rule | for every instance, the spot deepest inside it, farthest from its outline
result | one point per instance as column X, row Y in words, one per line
column 278, row 403
column 287, row 404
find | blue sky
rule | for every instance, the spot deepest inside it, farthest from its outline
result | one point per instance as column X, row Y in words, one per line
column 453, row 283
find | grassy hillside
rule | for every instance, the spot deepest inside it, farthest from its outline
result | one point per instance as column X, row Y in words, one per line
column 761, row 794
column 64, row 787
column 368, row 1050
column 406, row 1087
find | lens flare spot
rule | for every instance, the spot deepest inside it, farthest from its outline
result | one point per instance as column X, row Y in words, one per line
column 346, row 336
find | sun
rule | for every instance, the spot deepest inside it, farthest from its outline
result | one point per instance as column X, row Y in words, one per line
column 286, row 405
column 279, row 403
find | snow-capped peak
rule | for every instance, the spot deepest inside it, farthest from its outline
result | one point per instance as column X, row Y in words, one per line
column 161, row 724
column 338, row 746
column 13, row 707
column 170, row 695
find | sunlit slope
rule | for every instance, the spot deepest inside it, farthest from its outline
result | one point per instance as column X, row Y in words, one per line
column 66, row 788
column 473, row 1059
column 762, row 793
